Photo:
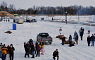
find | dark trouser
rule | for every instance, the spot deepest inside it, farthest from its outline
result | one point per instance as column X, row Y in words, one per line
column 38, row 53
column 55, row 56
column 88, row 43
column 0, row 54
column 70, row 42
column 11, row 56
column 62, row 42
column 26, row 53
column 81, row 37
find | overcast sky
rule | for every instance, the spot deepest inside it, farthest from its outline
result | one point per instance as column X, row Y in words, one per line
column 24, row 4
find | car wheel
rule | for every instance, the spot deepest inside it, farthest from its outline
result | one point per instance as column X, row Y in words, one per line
column 50, row 42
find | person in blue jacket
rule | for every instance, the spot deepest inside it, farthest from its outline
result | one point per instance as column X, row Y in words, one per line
column 92, row 39
column 75, row 33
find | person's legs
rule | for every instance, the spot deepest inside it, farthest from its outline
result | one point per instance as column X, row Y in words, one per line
column 57, row 57
column 54, row 57
column 62, row 42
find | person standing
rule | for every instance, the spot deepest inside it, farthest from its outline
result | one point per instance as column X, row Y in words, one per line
column 70, row 40
column 4, row 50
column 92, row 39
column 75, row 33
column 3, row 56
column 63, row 39
column 60, row 30
column 81, row 32
column 42, row 44
column 32, row 50
column 88, row 40
column 42, row 51
column 1, row 50
column 26, row 47
column 56, row 54
column 11, row 50
column 76, row 38
column 38, row 48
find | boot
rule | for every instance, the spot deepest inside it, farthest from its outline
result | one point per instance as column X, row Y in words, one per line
column 32, row 56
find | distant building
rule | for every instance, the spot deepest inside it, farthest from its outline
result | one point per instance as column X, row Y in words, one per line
column 5, row 13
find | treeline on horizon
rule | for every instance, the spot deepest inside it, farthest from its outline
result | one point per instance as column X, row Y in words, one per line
column 59, row 10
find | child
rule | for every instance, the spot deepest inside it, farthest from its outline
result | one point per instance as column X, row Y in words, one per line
column 3, row 56
column 42, row 51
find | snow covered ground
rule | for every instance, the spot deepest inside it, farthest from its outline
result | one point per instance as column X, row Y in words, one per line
column 28, row 31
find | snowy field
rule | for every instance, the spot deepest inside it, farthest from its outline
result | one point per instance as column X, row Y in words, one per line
column 28, row 31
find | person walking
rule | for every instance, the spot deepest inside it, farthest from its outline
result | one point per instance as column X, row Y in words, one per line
column 56, row 54
column 11, row 50
column 70, row 40
column 75, row 33
column 26, row 47
column 1, row 50
column 76, row 38
column 92, row 39
column 88, row 40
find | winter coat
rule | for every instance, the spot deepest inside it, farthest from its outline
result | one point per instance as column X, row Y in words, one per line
column 63, row 38
column 8, row 50
column 70, row 38
column 38, row 48
column 36, row 45
column 26, row 47
column 55, row 53
column 11, row 50
column 75, row 33
column 42, row 44
column 88, row 39
column 92, row 38
column 4, row 50
column 81, row 33
column 76, row 37
column 1, row 47
column 32, row 48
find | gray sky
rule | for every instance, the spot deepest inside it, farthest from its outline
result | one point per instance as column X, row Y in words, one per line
column 24, row 4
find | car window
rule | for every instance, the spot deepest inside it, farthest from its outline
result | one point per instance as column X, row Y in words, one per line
column 44, row 34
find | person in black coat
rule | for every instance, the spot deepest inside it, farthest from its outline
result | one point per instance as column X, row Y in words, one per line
column 56, row 54
column 70, row 40
column 81, row 32
column 11, row 50
column 88, row 40
column 32, row 50
column 38, row 48
column 26, row 47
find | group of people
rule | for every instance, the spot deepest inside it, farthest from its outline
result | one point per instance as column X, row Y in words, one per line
column 4, row 51
column 32, row 49
column 81, row 33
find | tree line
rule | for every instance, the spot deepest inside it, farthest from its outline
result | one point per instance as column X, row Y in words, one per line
column 61, row 10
